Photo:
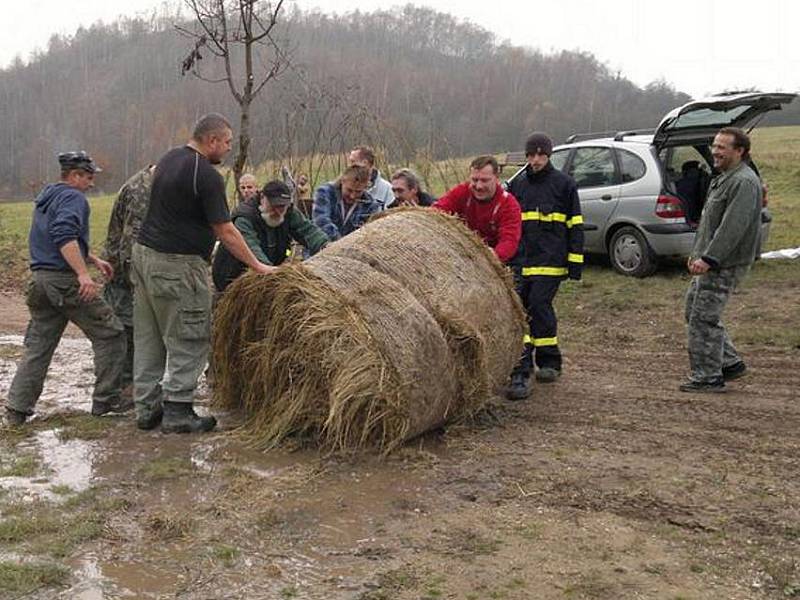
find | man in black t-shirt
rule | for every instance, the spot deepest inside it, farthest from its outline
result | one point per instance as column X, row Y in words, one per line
column 172, row 301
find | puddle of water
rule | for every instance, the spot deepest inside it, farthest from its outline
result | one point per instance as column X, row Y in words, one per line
column 69, row 380
column 101, row 580
column 67, row 463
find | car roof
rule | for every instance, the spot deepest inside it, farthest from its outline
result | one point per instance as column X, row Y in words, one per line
column 609, row 141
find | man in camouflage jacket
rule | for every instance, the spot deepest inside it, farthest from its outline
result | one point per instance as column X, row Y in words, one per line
column 725, row 246
column 127, row 215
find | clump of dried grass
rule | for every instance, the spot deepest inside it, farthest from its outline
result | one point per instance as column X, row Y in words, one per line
column 398, row 328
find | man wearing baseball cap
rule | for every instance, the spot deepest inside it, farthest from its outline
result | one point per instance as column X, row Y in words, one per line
column 268, row 223
column 62, row 290
column 550, row 251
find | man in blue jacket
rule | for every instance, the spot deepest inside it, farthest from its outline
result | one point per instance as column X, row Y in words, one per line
column 62, row 290
column 344, row 205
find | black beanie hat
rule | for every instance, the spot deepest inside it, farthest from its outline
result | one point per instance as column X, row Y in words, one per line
column 538, row 143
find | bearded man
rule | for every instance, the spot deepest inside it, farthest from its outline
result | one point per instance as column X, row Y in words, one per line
column 268, row 223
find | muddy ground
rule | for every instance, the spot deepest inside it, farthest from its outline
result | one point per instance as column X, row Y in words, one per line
column 608, row 484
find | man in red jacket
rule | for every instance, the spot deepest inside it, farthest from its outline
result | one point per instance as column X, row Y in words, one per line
column 486, row 208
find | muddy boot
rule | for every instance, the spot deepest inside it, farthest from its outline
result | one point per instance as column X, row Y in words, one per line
column 147, row 420
column 519, row 388
column 15, row 418
column 179, row 417
column 734, row 371
column 547, row 375
column 712, row 386
column 119, row 405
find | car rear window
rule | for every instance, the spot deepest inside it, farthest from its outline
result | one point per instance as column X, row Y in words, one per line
column 632, row 166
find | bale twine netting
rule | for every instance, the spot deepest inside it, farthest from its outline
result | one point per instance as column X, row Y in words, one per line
column 402, row 326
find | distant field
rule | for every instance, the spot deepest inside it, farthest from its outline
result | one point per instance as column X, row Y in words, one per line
column 776, row 151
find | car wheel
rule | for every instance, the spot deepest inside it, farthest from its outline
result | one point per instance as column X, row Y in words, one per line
column 630, row 254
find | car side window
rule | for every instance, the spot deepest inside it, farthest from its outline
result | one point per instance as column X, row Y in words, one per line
column 593, row 167
column 631, row 166
column 559, row 158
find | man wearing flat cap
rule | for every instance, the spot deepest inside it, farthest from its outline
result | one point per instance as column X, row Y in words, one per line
column 62, row 290
column 268, row 223
column 551, row 250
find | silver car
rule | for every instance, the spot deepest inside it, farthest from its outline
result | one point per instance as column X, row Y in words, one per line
column 642, row 192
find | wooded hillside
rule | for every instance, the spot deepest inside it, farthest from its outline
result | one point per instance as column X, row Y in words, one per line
column 412, row 81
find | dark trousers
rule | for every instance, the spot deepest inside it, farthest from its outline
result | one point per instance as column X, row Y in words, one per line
column 541, row 345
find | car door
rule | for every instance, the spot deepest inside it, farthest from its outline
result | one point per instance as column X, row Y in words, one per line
column 697, row 122
column 594, row 170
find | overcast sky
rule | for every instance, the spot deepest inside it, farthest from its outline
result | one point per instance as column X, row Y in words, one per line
column 700, row 46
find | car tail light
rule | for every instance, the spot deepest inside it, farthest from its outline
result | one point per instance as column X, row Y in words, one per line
column 669, row 207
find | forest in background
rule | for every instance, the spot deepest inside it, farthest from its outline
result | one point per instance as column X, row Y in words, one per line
column 415, row 83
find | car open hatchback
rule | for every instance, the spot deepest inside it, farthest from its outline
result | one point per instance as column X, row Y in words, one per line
column 642, row 192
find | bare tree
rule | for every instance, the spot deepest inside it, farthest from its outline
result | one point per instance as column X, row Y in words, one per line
column 241, row 35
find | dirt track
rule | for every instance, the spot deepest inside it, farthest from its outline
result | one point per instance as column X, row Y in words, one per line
column 607, row 484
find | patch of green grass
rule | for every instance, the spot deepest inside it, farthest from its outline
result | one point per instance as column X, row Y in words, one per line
column 225, row 554
column 85, row 427
column 61, row 490
column 57, row 529
column 19, row 528
column 168, row 467
column 289, row 591
column 22, row 579
column 26, row 465
column 72, row 534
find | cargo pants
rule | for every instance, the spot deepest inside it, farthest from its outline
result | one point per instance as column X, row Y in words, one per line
column 710, row 347
column 172, row 324
column 119, row 297
column 53, row 301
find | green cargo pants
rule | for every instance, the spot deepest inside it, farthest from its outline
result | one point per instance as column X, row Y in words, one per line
column 119, row 297
column 171, row 326
column 710, row 347
column 53, row 301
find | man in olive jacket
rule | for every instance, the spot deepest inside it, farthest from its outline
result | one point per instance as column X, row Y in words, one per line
column 725, row 246
column 268, row 223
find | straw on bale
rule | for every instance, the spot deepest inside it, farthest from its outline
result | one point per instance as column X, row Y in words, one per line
column 394, row 330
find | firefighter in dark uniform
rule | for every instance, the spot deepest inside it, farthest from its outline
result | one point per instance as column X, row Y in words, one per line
column 551, row 249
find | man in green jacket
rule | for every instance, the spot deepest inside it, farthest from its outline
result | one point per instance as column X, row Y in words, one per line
column 725, row 246
column 268, row 223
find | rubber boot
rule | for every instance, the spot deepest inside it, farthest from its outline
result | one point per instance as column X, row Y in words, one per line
column 547, row 375
column 151, row 419
column 15, row 418
column 179, row 417
column 519, row 388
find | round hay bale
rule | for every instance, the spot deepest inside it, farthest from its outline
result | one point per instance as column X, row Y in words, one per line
column 390, row 332
column 336, row 350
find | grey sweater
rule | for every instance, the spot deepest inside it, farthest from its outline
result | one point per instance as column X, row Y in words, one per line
column 730, row 227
